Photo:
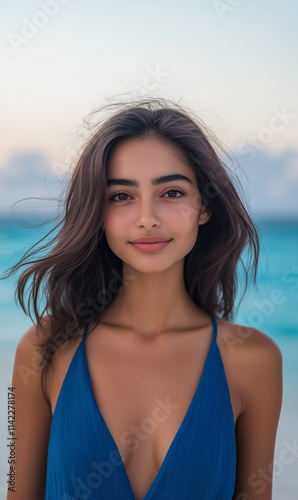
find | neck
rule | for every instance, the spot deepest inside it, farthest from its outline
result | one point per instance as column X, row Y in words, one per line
column 150, row 304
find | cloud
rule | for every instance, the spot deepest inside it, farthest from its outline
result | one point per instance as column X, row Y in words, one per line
column 270, row 184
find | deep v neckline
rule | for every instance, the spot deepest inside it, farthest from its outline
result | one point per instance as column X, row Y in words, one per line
column 180, row 429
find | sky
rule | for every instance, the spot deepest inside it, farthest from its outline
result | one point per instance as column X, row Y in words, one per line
column 232, row 61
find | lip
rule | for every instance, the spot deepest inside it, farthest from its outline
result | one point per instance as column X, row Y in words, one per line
column 151, row 247
column 150, row 239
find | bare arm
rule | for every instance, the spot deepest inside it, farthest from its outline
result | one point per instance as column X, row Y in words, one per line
column 256, row 428
column 33, row 421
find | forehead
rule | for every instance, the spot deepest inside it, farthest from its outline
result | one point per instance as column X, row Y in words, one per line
column 147, row 157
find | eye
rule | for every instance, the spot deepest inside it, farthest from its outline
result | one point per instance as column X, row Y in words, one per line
column 175, row 191
column 112, row 198
column 171, row 190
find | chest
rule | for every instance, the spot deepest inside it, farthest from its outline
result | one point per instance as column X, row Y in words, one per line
column 151, row 392
column 154, row 390
column 147, row 396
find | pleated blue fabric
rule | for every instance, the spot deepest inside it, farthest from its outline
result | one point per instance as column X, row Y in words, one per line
column 84, row 462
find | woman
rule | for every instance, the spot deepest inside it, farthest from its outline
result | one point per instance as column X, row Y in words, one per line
column 133, row 387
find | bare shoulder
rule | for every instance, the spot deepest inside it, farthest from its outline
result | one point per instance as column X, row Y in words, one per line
column 28, row 347
column 254, row 361
column 251, row 356
column 243, row 340
column 29, row 358
column 33, row 418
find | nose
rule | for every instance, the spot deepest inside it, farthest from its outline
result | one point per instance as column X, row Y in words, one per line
column 147, row 215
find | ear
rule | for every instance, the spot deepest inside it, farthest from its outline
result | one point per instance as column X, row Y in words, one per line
column 205, row 215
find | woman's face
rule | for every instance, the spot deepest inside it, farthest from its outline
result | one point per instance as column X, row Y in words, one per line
column 169, row 209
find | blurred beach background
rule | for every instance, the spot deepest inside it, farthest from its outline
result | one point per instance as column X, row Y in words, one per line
column 233, row 63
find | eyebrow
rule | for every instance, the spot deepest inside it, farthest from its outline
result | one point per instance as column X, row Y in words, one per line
column 155, row 182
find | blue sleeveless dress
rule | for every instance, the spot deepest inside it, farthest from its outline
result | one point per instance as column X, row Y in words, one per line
column 84, row 462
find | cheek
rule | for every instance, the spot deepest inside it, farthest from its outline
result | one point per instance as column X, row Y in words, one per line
column 186, row 215
column 114, row 228
column 187, row 225
column 114, row 221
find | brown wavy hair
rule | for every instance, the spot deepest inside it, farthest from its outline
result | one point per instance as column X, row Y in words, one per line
column 80, row 275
